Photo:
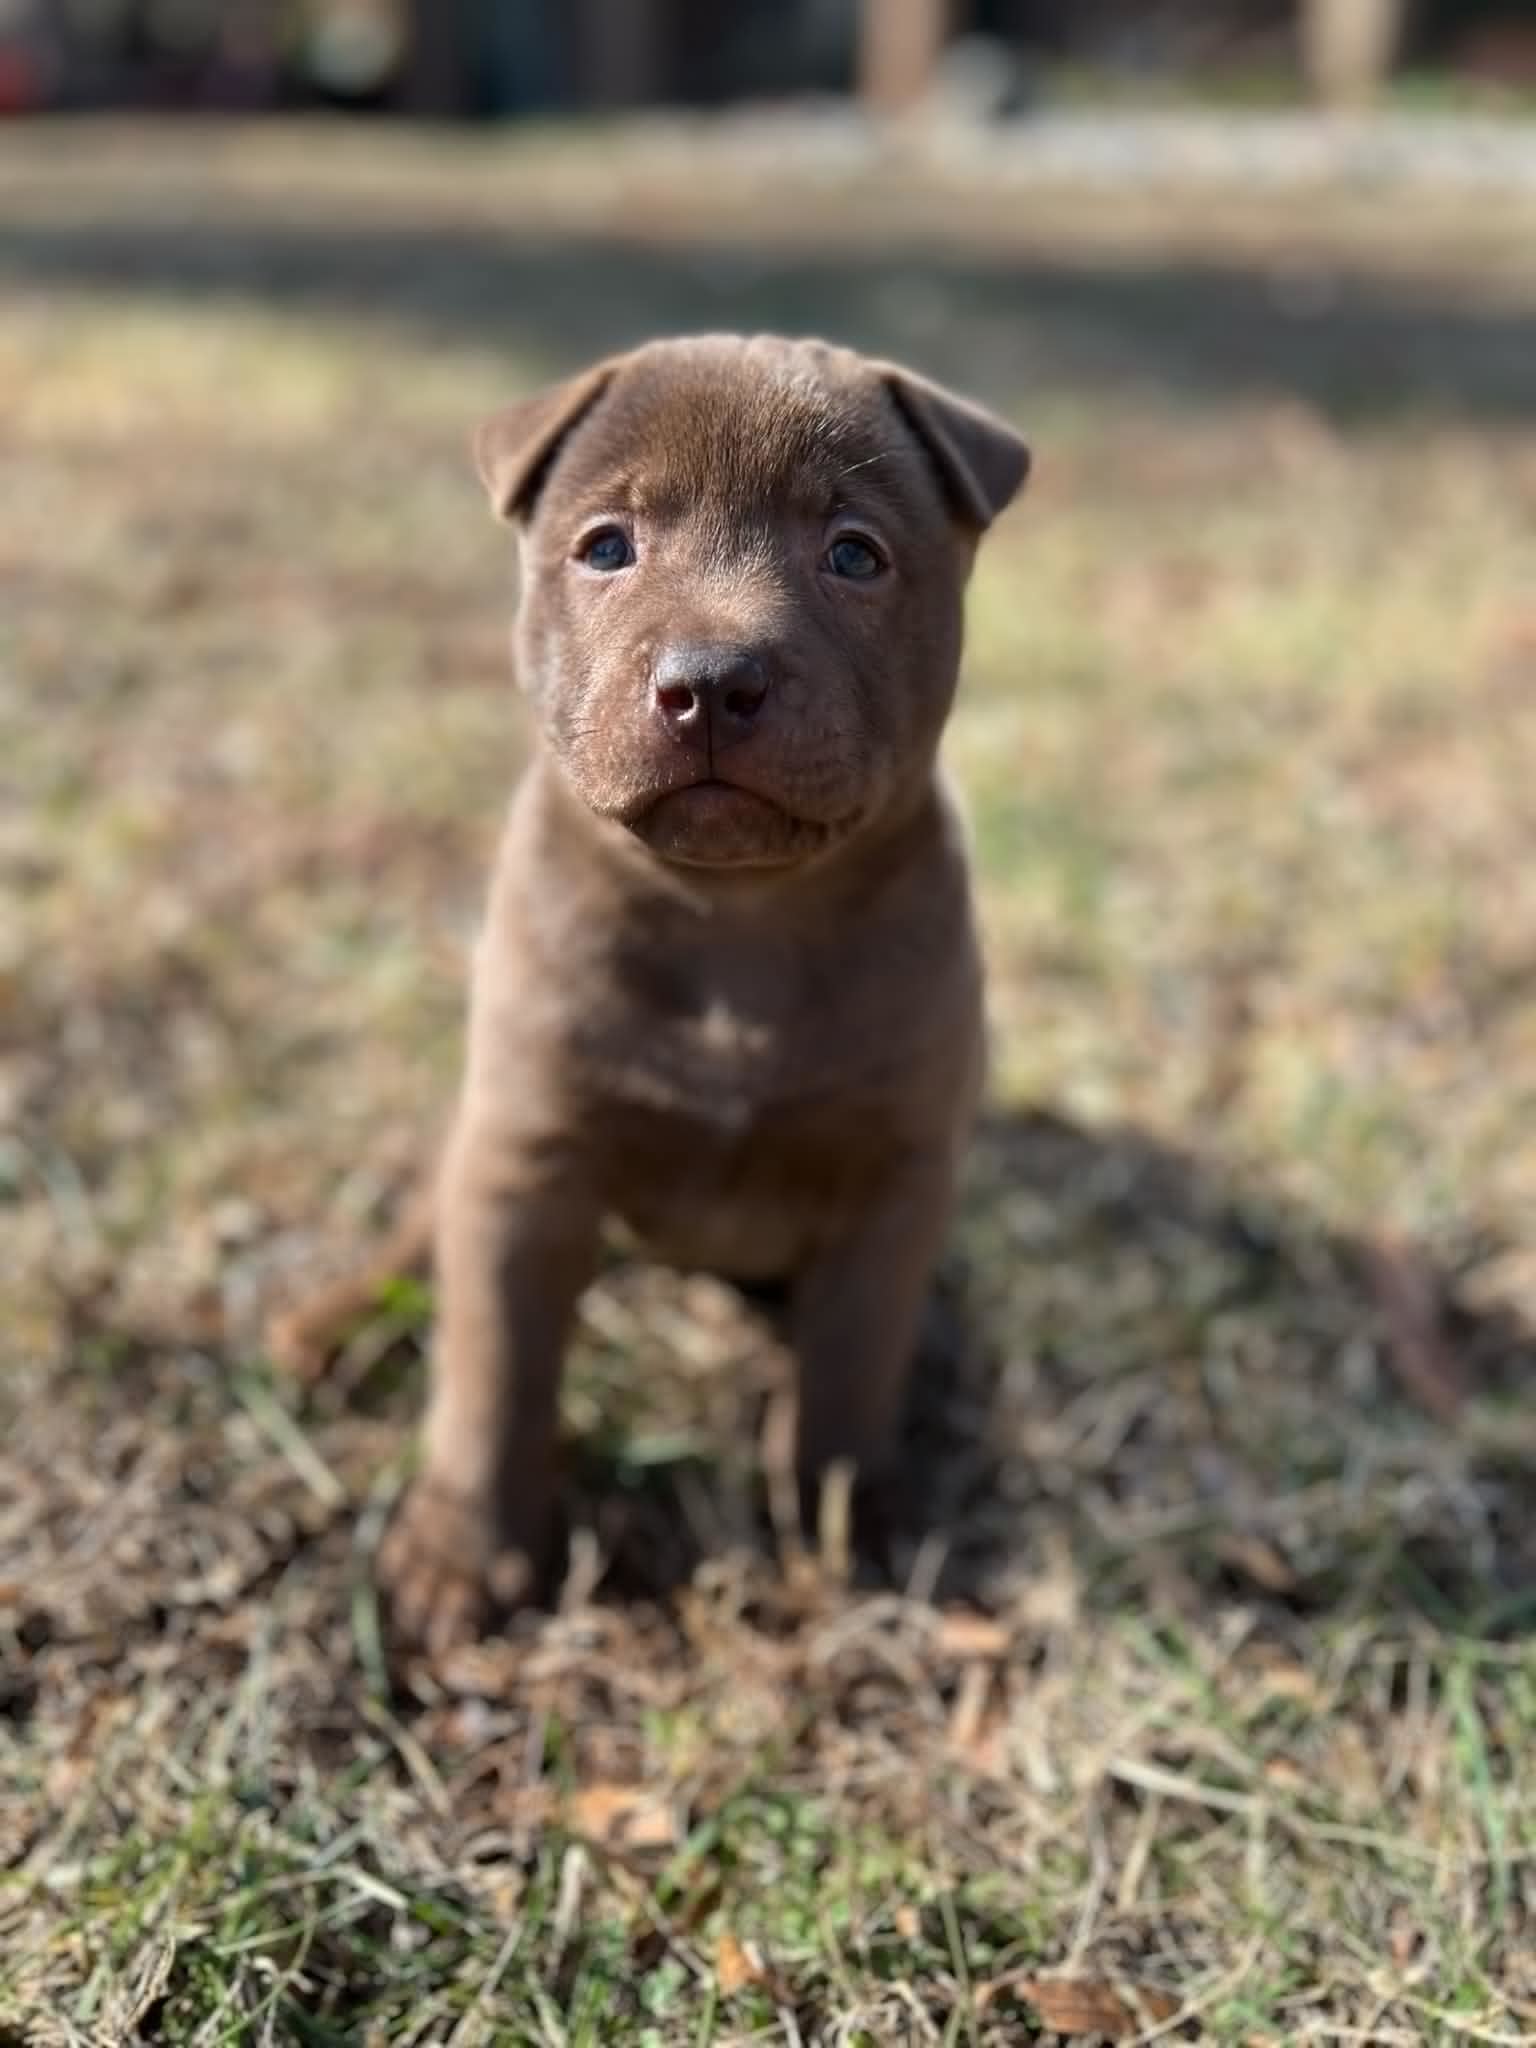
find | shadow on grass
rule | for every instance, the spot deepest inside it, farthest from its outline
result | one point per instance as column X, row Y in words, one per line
column 1146, row 1391
column 1351, row 346
column 1179, row 1393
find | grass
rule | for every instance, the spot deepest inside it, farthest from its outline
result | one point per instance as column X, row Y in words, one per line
column 1205, row 1708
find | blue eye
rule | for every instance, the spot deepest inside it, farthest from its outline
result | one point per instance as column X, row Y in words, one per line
column 854, row 558
column 607, row 549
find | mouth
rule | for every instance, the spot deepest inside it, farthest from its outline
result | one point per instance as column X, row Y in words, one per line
column 715, row 824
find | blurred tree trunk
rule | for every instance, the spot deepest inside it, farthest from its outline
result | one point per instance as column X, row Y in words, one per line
column 1349, row 47
column 439, row 58
column 622, row 51
column 900, row 43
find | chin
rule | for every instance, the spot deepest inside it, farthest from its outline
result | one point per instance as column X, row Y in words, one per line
column 713, row 825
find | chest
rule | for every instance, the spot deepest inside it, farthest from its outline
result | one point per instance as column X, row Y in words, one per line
column 738, row 1132
column 752, row 1198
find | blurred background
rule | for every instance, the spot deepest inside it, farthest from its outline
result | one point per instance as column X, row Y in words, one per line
column 494, row 58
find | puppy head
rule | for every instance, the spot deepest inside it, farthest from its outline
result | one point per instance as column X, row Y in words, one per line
column 743, row 568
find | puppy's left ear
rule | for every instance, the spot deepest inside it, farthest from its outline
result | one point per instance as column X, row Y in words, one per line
column 981, row 461
column 516, row 447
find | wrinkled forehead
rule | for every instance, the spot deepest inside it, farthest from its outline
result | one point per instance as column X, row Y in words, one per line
column 741, row 438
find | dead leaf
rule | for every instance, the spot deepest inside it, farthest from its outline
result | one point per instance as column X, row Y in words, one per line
column 1259, row 1560
column 482, row 1671
column 524, row 1806
column 624, row 1817
column 1287, row 1681
column 739, row 1967
column 1286, row 1774
column 968, row 1729
column 1404, row 1941
column 1086, row 2005
column 909, row 1923
column 1350, row 1770
column 966, row 1635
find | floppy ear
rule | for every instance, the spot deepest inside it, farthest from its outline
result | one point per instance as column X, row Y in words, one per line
column 515, row 447
column 981, row 461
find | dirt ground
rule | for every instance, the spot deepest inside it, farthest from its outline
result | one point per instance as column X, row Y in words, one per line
column 1201, row 1705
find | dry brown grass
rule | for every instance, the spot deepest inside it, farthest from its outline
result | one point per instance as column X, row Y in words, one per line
column 1204, row 1706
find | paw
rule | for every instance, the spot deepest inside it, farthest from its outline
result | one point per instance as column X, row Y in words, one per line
column 447, row 1569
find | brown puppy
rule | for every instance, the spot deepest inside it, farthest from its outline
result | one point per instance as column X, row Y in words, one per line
column 728, row 990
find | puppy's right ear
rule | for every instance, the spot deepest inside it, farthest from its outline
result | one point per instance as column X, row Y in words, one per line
column 515, row 448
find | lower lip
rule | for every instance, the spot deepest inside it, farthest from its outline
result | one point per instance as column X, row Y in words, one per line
column 714, row 800
column 714, row 823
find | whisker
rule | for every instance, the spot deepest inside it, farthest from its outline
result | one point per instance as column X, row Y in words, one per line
column 881, row 455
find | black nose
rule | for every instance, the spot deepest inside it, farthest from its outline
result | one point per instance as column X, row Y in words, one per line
column 709, row 697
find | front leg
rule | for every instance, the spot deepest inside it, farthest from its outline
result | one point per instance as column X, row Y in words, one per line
column 856, row 1316
column 516, row 1242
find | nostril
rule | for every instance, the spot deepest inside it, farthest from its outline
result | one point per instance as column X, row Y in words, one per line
column 676, row 699
column 745, row 700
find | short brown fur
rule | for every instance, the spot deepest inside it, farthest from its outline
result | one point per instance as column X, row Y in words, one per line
column 728, row 990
